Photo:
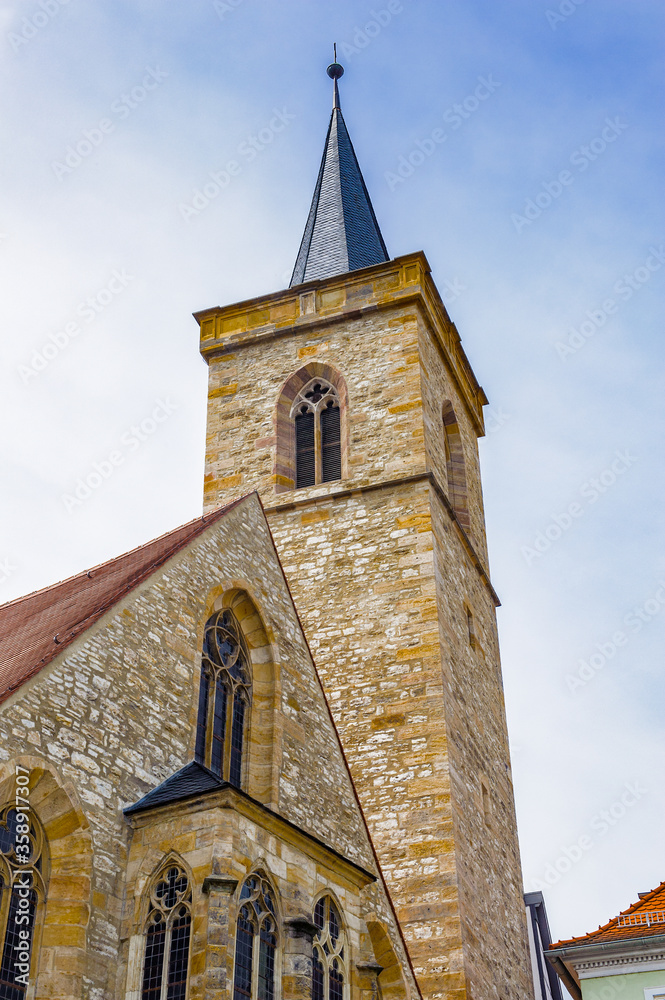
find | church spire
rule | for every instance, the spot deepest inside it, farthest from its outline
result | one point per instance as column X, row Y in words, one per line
column 342, row 233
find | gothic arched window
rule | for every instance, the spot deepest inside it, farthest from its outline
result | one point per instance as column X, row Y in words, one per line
column 22, row 893
column 224, row 697
column 256, row 941
column 166, row 961
column 329, row 968
column 316, row 418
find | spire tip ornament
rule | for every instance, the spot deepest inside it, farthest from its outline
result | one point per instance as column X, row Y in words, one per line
column 334, row 71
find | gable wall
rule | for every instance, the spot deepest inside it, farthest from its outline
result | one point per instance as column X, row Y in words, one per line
column 116, row 712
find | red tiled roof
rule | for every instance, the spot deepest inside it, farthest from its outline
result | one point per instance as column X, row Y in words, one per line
column 36, row 628
column 644, row 918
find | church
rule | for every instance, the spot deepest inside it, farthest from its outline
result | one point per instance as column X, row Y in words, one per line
column 265, row 755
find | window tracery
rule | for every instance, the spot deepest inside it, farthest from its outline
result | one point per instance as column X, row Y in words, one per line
column 168, row 927
column 256, row 941
column 329, row 968
column 224, row 697
column 22, row 891
column 316, row 416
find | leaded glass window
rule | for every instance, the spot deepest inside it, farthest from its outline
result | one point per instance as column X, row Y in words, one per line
column 329, row 963
column 256, row 942
column 224, row 698
column 168, row 927
column 316, row 417
column 22, row 892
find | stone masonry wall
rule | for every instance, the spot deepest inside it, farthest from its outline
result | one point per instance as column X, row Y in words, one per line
column 489, row 872
column 383, row 581
column 116, row 713
column 216, row 842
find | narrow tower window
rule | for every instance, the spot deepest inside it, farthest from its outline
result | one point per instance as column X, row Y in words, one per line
column 316, row 416
column 471, row 627
column 256, row 942
column 22, row 853
column 166, row 959
column 329, row 968
column 224, row 698
column 455, row 467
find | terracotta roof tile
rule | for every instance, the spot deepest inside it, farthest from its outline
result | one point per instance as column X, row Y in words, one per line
column 36, row 628
column 644, row 918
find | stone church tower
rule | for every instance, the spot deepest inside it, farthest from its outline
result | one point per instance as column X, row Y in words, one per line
column 348, row 402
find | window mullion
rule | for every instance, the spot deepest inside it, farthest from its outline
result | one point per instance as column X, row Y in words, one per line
column 318, row 456
column 256, row 958
column 166, row 959
column 210, row 721
column 228, row 732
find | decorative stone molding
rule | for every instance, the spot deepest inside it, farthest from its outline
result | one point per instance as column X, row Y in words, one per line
column 373, row 968
column 299, row 927
column 219, row 883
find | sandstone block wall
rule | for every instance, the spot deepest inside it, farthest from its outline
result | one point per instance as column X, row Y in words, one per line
column 115, row 714
column 394, row 597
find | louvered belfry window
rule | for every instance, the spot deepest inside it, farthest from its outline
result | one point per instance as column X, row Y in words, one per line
column 225, row 698
column 317, row 421
column 305, row 455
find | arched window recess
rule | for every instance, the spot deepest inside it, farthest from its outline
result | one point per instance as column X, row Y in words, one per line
column 167, row 935
column 455, row 465
column 329, row 952
column 23, row 879
column 316, row 417
column 225, row 696
column 254, row 973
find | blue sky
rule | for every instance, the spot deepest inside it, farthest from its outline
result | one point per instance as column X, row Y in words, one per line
column 568, row 122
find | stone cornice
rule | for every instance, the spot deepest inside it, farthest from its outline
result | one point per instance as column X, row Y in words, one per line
column 316, row 305
column 610, row 958
column 233, row 799
column 388, row 484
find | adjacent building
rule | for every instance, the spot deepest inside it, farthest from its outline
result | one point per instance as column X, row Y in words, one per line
column 623, row 960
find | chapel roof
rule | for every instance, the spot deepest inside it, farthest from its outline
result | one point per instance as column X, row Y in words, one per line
column 342, row 233
column 34, row 629
column 192, row 779
column 645, row 918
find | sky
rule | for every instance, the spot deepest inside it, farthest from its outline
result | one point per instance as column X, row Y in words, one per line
column 519, row 144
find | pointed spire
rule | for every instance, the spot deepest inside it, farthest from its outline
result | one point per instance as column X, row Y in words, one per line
column 342, row 233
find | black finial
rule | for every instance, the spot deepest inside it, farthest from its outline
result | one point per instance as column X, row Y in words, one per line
column 334, row 71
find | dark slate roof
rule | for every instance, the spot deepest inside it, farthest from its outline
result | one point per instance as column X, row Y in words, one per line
column 192, row 779
column 342, row 233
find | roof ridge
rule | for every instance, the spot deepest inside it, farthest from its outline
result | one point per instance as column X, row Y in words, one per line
column 31, row 626
column 203, row 518
column 613, row 922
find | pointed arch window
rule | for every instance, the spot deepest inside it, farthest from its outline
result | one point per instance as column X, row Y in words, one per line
column 166, row 958
column 256, row 942
column 22, row 894
column 316, row 417
column 329, row 963
column 225, row 694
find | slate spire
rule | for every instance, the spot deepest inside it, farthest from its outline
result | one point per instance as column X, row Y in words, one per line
column 342, row 233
